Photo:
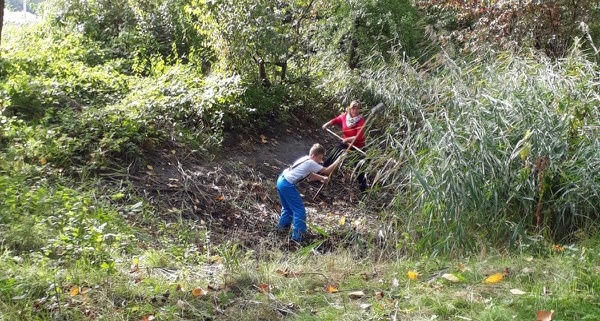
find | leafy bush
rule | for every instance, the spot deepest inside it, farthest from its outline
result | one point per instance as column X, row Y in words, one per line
column 129, row 29
column 38, row 216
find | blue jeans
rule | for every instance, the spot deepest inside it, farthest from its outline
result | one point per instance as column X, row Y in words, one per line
column 292, row 209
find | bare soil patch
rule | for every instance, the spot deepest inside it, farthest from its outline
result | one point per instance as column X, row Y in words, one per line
column 235, row 195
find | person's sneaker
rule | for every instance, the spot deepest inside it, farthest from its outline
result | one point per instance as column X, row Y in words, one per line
column 298, row 236
column 282, row 230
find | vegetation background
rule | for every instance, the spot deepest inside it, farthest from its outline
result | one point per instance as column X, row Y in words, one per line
column 486, row 156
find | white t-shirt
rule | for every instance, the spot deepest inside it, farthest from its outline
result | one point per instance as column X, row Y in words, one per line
column 301, row 169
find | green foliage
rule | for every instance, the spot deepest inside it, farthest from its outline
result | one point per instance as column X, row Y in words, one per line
column 248, row 34
column 129, row 29
column 380, row 30
column 38, row 216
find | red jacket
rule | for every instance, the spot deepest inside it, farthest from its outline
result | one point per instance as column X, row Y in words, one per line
column 350, row 132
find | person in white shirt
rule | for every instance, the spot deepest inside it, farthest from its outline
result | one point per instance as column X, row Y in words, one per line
column 292, row 208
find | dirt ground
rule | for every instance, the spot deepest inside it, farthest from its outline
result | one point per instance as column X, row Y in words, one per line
column 235, row 194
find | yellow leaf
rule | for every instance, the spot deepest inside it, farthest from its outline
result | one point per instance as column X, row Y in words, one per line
column 263, row 139
column 220, row 198
column 331, row 289
column 544, row 315
column 343, row 220
column 494, row 278
column 74, row 290
column 173, row 152
column 451, row 277
column 413, row 275
column 150, row 167
column 43, row 161
column 199, row 292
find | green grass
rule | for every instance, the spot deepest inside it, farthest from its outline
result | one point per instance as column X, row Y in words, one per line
column 566, row 282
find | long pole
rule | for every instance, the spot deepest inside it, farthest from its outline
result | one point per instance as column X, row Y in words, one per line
column 338, row 136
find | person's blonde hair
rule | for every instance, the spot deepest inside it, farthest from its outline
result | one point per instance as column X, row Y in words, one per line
column 317, row 150
column 354, row 103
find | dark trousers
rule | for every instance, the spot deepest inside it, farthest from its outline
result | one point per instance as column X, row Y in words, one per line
column 336, row 153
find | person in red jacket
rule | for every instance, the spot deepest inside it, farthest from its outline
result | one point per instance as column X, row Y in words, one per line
column 352, row 124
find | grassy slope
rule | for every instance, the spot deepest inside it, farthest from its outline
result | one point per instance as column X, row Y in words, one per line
column 566, row 282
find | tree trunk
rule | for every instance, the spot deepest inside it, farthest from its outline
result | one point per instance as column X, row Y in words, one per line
column 283, row 66
column 263, row 73
column 1, row 18
column 352, row 54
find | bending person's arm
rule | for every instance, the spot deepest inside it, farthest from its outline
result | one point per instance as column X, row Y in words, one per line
column 317, row 177
column 327, row 170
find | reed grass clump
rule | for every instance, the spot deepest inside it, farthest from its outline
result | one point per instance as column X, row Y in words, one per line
column 488, row 150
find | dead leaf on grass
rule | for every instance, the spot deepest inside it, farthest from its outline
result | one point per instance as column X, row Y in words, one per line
column 451, row 277
column 148, row 317
column 356, row 294
column 544, row 315
column 135, row 269
column 74, row 290
column 220, row 198
column 495, row 278
column 517, row 292
column 412, row 275
column 150, row 167
column 264, row 288
column 199, row 292
column 289, row 274
column 379, row 295
column 331, row 289
column 181, row 304
column 263, row 139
